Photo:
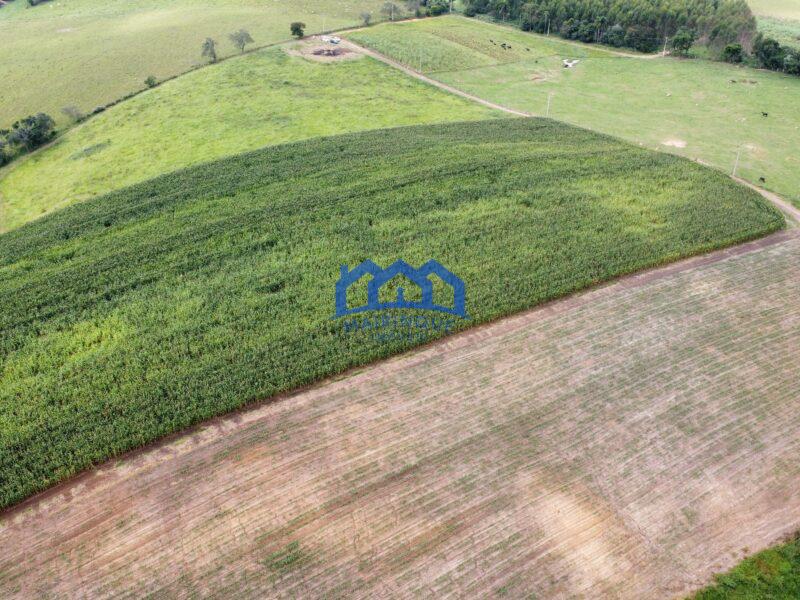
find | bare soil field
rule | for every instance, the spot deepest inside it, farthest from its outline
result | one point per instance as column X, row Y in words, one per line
column 627, row 442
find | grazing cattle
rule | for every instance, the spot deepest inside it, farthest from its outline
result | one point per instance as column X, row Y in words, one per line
column 762, row 179
column 763, row 114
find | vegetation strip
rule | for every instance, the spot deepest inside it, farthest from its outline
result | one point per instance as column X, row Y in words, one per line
column 773, row 573
column 142, row 312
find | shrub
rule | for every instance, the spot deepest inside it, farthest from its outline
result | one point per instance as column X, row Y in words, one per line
column 298, row 29
column 682, row 41
column 438, row 7
column 733, row 53
column 31, row 132
column 769, row 53
column 791, row 63
column 151, row 81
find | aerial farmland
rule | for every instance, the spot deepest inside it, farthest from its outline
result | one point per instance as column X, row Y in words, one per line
column 365, row 299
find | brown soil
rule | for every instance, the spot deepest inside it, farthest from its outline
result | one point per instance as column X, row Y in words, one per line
column 623, row 443
column 315, row 49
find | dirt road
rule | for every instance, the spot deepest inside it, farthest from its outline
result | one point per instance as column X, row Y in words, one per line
column 623, row 443
column 350, row 45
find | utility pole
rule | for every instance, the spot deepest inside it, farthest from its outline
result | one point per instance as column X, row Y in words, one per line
column 664, row 51
column 548, row 25
column 736, row 164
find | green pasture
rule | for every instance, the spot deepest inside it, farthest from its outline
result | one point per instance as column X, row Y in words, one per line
column 780, row 9
column 90, row 52
column 263, row 98
column 139, row 313
column 786, row 31
column 704, row 110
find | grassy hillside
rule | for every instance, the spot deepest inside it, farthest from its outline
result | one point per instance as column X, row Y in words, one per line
column 90, row 52
column 781, row 9
column 772, row 574
column 700, row 109
column 786, row 31
column 779, row 19
column 141, row 312
column 263, row 98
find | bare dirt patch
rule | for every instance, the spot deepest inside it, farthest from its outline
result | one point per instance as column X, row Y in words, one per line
column 674, row 143
column 317, row 50
column 623, row 443
column 540, row 77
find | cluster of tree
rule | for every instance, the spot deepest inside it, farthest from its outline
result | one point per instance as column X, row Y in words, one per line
column 35, row 2
column 419, row 8
column 208, row 50
column 640, row 24
column 770, row 54
column 25, row 135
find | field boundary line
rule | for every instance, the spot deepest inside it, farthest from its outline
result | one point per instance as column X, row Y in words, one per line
column 787, row 208
column 244, row 415
column 429, row 80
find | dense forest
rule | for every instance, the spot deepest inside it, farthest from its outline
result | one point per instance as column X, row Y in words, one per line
column 644, row 25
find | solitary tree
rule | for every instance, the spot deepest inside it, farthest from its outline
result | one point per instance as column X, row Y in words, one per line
column 151, row 81
column 210, row 50
column 240, row 39
column 297, row 29
column 366, row 18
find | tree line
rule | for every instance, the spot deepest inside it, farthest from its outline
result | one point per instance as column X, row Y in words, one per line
column 644, row 25
column 727, row 27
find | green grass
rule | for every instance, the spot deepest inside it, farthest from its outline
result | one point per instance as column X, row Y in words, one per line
column 263, row 98
column 779, row 19
column 713, row 108
column 786, row 31
column 90, row 52
column 139, row 313
column 779, row 9
column 773, row 574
